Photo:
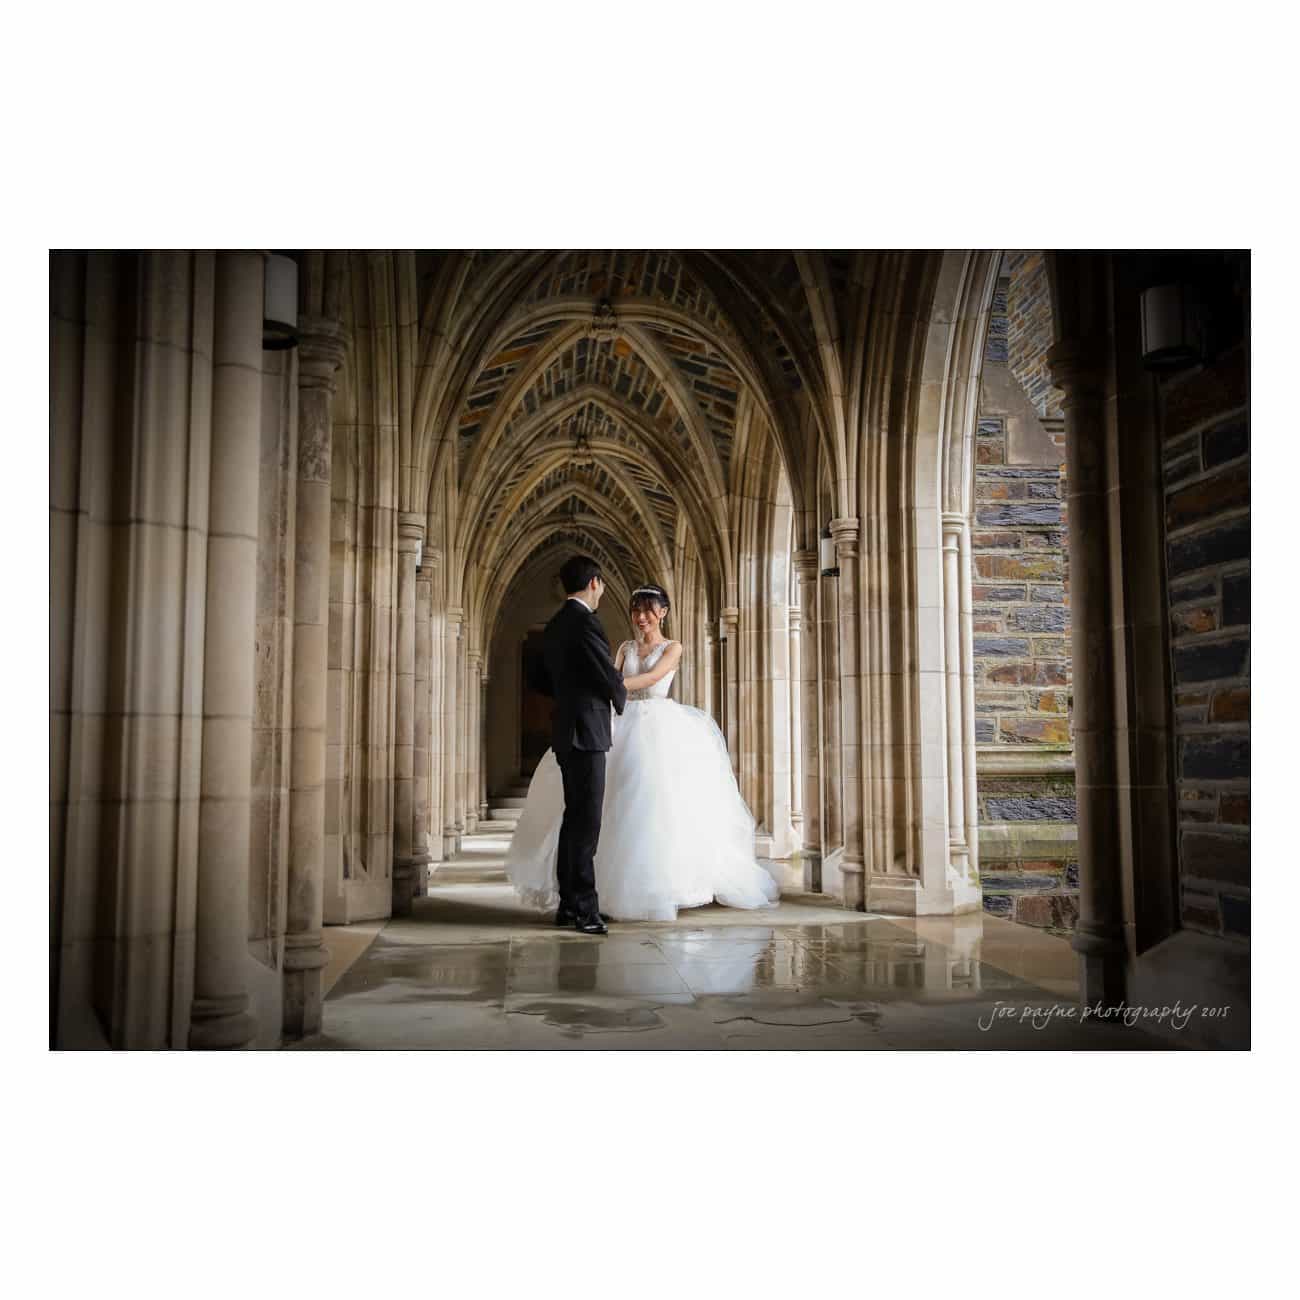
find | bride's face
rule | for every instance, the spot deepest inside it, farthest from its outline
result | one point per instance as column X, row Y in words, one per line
column 646, row 619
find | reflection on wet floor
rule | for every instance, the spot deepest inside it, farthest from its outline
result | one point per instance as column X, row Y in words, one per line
column 471, row 969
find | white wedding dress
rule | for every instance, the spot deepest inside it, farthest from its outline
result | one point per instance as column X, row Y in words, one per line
column 674, row 832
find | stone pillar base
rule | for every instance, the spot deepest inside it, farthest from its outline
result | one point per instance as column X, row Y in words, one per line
column 810, row 862
column 302, row 1004
column 304, row 958
column 832, row 881
column 221, row 1024
column 422, row 874
column 853, row 881
column 403, row 886
column 900, row 896
column 1103, row 958
column 410, row 880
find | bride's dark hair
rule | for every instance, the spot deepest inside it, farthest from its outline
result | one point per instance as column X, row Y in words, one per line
column 646, row 595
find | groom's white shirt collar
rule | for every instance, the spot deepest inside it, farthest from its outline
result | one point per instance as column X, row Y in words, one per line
column 581, row 602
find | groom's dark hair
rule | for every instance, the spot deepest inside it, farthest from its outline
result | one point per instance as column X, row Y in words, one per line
column 577, row 572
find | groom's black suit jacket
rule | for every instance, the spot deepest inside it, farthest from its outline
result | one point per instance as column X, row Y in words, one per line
column 580, row 676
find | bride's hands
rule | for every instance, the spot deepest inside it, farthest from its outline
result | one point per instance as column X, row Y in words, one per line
column 667, row 662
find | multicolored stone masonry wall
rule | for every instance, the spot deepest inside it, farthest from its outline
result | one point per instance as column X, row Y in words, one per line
column 1207, row 539
column 1029, row 864
column 1030, row 331
column 1021, row 608
column 1020, row 598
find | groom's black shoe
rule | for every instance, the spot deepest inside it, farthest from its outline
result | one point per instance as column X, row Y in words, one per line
column 590, row 924
column 564, row 918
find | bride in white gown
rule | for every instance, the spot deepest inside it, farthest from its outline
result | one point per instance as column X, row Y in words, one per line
column 675, row 831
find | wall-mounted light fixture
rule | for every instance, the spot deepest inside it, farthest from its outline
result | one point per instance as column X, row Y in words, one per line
column 1173, row 327
column 280, row 304
column 828, row 560
column 722, row 629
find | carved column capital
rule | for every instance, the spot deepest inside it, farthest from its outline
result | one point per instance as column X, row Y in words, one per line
column 845, row 533
column 805, row 565
column 322, row 350
column 953, row 523
column 796, row 618
column 1077, row 367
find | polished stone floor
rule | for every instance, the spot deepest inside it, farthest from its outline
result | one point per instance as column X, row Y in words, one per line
column 472, row 969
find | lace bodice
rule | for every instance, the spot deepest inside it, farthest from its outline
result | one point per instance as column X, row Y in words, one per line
column 634, row 664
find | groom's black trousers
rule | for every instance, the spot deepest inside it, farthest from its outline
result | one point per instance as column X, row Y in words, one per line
column 583, row 771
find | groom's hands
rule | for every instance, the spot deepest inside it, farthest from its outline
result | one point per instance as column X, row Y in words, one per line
column 595, row 653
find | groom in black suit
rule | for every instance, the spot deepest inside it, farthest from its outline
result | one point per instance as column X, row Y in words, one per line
column 581, row 678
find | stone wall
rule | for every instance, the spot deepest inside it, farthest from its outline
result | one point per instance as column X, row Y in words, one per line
column 1021, row 609
column 1020, row 594
column 1029, row 331
column 1029, row 867
column 1207, row 520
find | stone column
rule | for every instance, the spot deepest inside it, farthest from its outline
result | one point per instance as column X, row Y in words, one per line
column 219, row 1015
column 421, row 767
column 437, row 687
column 1078, row 370
column 341, row 740
column 832, row 820
column 853, row 863
column 953, row 688
column 406, row 860
column 321, row 351
column 462, row 733
column 805, row 682
column 482, row 748
column 451, row 829
column 469, row 768
column 796, row 728
column 731, row 684
column 967, row 619
column 706, row 696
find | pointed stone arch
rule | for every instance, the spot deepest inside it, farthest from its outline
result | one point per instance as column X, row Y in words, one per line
column 657, row 456
column 912, row 700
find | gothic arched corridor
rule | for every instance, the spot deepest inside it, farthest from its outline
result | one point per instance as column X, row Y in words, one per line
column 962, row 576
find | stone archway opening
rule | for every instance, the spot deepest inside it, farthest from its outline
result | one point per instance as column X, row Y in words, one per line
column 1021, row 611
column 614, row 405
